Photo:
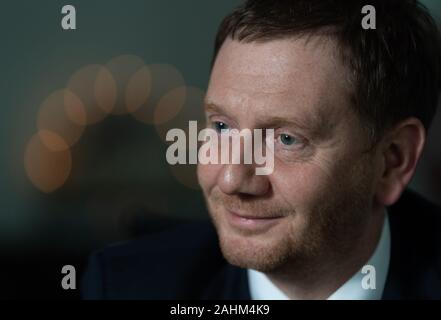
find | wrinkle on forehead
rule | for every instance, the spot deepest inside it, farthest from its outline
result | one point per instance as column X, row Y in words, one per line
column 279, row 63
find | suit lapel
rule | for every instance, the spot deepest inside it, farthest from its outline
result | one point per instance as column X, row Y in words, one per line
column 412, row 270
column 230, row 283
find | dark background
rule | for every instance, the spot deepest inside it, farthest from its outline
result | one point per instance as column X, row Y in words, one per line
column 119, row 184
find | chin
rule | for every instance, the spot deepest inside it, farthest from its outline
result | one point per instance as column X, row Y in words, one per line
column 262, row 252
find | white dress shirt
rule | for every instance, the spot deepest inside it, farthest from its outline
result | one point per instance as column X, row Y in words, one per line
column 261, row 287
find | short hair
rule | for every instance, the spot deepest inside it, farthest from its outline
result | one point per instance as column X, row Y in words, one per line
column 395, row 69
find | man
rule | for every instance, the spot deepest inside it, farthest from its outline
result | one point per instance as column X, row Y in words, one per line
column 350, row 109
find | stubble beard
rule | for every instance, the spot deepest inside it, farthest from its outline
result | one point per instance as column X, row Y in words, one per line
column 328, row 231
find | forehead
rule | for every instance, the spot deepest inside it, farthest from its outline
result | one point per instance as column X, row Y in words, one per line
column 280, row 77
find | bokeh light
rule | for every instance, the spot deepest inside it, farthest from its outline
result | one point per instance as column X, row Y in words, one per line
column 154, row 94
column 170, row 105
column 164, row 78
column 105, row 90
column 96, row 88
column 175, row 110
column 172, row 113
column 63, row 114
column 138, row 89
column 123, row 69
column 47, row 169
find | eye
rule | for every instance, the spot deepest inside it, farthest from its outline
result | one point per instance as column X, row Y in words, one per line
column 219, row 126
column 287, row 139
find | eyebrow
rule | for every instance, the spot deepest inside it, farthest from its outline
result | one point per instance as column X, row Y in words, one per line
column 317, row 128
column 209, row 106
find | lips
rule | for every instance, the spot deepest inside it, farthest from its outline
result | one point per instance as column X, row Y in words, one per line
column 252, row 216
column 251, row 223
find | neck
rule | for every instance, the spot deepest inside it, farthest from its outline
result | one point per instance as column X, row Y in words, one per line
column 322, row 275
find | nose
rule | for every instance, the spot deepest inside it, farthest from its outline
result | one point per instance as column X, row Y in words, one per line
column 241, row 179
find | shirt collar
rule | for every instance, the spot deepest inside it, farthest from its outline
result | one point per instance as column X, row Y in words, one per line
column 261, row 287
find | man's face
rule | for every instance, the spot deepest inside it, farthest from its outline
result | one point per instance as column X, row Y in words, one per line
column 319, row 198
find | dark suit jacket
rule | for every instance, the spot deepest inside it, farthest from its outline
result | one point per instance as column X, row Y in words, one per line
column 186, row 263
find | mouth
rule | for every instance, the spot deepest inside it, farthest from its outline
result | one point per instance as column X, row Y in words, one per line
column 251, row 223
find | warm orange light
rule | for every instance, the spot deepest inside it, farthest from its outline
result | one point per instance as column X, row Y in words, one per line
column 123, row 68
column 164, row 78
column 47, row 169
column 94, row 85
column 138, row 89
column 170, row 105
column 105, row 90
column 171, row 112
column 63, row 114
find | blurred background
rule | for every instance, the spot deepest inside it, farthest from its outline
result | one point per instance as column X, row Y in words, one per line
column 93, row 171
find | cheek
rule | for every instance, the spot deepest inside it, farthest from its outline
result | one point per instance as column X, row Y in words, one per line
column 319, row 185
column 207, row 175
column 304, row 186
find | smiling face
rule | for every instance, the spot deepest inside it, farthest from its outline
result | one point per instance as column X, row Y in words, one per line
column 319, row 199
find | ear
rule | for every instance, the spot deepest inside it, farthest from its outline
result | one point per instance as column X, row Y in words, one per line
column 400, row 152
